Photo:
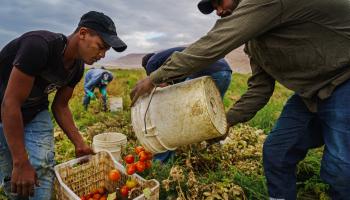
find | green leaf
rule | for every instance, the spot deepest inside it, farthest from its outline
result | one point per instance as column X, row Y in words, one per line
column 147, row 192
column 112, row 196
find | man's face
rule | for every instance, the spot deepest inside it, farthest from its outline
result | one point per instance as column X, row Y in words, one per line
column 224, row 8
column 91, row 46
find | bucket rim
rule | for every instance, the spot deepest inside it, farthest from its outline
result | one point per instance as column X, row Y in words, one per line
column 99, row 137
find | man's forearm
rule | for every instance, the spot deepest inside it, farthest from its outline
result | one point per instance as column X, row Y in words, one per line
column 64, row 118
column 260, row 88
column 14, row 132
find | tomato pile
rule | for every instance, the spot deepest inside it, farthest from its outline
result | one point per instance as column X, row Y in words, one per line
column 144, row 161
column 138, row 163
column 97, row 194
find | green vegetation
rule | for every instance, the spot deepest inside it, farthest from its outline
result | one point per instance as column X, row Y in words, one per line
column 233, row 171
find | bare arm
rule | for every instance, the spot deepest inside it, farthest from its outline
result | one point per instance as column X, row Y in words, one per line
column 18, row 89
column 64, row 118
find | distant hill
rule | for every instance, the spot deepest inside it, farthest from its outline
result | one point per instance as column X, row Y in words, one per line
column 237, row 59
column 130, row 61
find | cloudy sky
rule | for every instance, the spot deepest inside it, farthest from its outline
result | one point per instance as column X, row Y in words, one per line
column 145, row 25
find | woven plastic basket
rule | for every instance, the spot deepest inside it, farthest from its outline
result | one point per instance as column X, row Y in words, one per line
column 82, row 175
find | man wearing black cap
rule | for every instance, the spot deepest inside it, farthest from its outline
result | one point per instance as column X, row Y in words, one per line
column 32, row 66
column 304, row 45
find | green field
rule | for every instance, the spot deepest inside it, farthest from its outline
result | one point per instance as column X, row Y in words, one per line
column 232, row 171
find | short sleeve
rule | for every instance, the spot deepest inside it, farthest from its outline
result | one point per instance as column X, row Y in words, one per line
column 32, row 55
column 78, row 75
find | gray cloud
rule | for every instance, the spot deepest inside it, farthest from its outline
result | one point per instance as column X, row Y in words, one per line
column 145, row 25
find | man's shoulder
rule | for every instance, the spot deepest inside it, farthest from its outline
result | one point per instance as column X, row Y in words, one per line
column 45, row 35
column 46, row 42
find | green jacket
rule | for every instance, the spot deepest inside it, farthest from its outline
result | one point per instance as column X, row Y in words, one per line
column 304, row 45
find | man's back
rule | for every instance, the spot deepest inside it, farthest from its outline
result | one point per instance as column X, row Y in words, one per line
column 96, row 75
column 309, row 49
column 160, row 57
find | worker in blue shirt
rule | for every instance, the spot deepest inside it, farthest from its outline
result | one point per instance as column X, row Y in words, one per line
column 96, row 78
column 220, row 72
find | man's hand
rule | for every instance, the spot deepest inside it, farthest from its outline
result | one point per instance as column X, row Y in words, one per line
column 23, row 179
column 142, row 87
column 82, row 150
column 220, row 138
column 91, row 95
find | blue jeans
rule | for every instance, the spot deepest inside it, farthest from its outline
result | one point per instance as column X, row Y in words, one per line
column 39, row 144
column 298, row 130
column 222, row 80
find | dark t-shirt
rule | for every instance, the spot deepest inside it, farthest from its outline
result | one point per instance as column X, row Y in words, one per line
column 38, row 54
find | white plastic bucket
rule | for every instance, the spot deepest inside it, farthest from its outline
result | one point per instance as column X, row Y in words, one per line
column 180, row 114
column 116, row 104
column 112, row 142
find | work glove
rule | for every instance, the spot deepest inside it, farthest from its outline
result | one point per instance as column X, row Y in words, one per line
column 91, row 95
column 103, row 91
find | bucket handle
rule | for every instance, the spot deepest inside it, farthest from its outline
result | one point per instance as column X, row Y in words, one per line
column 149, row 103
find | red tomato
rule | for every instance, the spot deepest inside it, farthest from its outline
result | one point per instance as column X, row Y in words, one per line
column 101, row 190
column 138, row 149
column 124, row 191
column 96, row 196
column 149, row 155
column 130, row 169
column 90, row 195
column 143, row 156
column 148, row 164
column 140, row 166
column 83, row 198
column 129, row 159
column 114, row 175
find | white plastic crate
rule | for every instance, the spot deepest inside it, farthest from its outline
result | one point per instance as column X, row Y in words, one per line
column 80, row 176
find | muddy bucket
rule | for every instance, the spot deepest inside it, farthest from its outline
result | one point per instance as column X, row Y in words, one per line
column 112, row 142
column 116, row 104
column 180, row 114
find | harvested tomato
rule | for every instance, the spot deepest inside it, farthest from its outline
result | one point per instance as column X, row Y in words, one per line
column 124, row 191
column 103, row 198
column 131, row 183
column 149, row 155
column 129, row 159
column 131, row 169
column 94, row 191
column 101, row 190
column 114, row 175
column 83, row 198
column 90, row 195
column 140, row 166
column 148, row 164
column 138, row 149
column 143, row 156
column 96, row 196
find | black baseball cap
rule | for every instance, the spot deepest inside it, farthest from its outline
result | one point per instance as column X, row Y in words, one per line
column 146, row 58
column 104, row 27
column 205, row 6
